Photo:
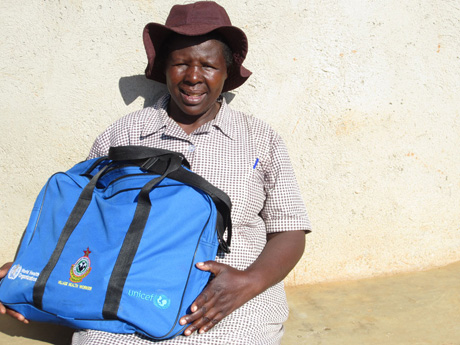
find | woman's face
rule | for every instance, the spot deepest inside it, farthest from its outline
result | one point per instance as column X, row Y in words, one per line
column 195, row 75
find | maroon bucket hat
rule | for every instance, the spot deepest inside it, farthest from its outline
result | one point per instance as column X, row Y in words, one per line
column 197, row 19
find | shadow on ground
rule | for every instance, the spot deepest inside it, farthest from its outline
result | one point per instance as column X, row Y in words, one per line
column 15, row 332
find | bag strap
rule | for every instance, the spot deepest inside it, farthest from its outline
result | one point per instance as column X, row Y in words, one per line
column 153, row 160
column 131, row 243
column 93, row 166
column 74, row 218
column 132, row 153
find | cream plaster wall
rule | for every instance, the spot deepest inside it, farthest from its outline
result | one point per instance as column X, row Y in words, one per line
column 363, row 92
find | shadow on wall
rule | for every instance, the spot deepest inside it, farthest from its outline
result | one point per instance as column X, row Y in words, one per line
column 35, row 332
column 136, row 86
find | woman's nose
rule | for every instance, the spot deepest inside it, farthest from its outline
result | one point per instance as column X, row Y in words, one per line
column 193, row 75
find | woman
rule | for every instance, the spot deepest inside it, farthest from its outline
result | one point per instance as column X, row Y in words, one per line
column 198, row 54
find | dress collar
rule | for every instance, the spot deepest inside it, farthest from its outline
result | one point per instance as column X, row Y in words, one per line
column 159, row 120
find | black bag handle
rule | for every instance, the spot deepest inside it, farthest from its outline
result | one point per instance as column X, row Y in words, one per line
column 74, row 218
column 153, row 160
column 132, row 153
column 131, row 242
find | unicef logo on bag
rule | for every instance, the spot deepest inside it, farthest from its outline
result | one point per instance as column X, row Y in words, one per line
column 162, row 301
column 159, row 299
column 14, row 272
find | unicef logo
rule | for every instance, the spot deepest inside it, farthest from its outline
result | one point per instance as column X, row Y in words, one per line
column 162, row 301
column 14, row 272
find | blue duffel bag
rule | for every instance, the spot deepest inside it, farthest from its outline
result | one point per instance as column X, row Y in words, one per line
column 113, row 242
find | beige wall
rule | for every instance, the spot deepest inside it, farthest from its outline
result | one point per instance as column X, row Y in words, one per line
column 365, row 94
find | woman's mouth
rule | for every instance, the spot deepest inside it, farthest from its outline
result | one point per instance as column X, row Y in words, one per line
column 192, row 97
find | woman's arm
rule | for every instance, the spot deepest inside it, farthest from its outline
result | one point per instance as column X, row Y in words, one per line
column 231, row 288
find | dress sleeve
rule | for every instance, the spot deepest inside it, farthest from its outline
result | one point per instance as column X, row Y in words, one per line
column 98, row 149
column 284, row 209
column 117, row 134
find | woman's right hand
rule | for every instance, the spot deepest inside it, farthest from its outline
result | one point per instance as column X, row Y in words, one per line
column 3, row 310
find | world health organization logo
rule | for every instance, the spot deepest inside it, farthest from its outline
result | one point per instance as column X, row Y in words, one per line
column 14, row 272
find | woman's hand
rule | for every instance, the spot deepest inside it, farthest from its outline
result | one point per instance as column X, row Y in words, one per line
column 228, row 291
column 231, row 288
column 3, row 310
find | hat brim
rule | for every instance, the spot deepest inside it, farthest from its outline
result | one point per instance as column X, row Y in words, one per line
column 155, row 34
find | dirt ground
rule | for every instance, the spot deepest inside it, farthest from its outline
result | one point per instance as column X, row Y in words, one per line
column 421, row 308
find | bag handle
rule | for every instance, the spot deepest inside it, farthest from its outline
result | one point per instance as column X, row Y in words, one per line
column 132, row 153
column 156, row 160
column 131, row 243
column 148, row 159
column 74, row 218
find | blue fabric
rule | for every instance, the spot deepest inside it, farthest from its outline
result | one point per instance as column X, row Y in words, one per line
column 163, row 280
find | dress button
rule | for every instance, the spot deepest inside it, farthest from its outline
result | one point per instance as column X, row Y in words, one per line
column 191, row 148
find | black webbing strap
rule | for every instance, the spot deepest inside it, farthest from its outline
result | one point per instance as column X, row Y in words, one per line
column 132, row 153
column 131, row 243
column 145, row 154
column 97, row 162
column 74, row 218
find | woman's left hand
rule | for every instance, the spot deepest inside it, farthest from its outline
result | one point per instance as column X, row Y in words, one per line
column 228, row 291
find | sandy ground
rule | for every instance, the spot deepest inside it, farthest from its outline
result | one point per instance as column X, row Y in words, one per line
column 421, row 308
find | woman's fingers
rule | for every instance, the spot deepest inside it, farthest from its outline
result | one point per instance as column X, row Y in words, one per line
column 204, row 323
column 4, row 310
column 4, row 269
column 13, row 314
column 225, row 293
